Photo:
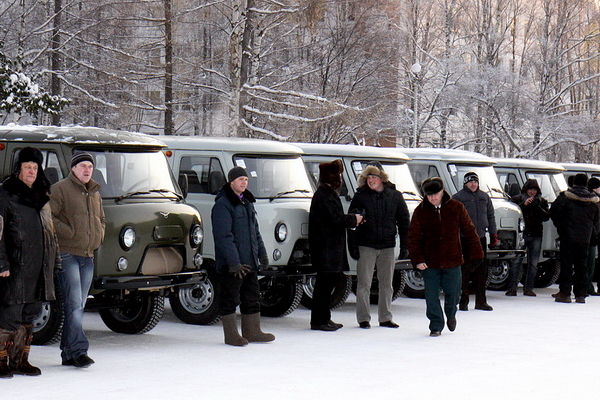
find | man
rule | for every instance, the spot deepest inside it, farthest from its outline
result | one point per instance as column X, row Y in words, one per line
column 385, row 214
column 535, row 213
column 481, row 210
column 575, row 214
column 239, row 251
column 28, row 259
column 594, row 187
column 327, row 226
column 437, row 227
column 79, row 221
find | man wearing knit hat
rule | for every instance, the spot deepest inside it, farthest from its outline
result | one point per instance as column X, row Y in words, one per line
column 79, row 220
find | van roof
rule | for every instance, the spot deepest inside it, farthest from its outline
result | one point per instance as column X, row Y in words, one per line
column 455, row 155
column 75, row 135
column 231, row 144
column 529, row 164
column 350, row 150
column 581, row 167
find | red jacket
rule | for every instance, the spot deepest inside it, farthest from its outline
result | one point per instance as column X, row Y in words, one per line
column 435, row 238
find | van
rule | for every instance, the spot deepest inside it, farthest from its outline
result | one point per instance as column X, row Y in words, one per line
column 572, row 169
column 278, row 180
column 141, row 200
column 451, row 165
column 512, row 174
column 355, row 159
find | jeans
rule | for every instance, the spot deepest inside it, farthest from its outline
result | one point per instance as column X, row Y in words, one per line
column 370, row 258
column 449, row 280
column 75, row 280
column 533, row 244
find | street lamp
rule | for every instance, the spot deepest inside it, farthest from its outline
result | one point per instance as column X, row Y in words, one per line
column 415, row 69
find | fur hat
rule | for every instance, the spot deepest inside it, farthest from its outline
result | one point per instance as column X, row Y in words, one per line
column 31, row 154
column 470, row 176
column 81, row 156
column 372, row 170
column 580, row 180
column 235, row 173
column 593, row 183
column 531, row 184
column 330, row 173
column 432, row 186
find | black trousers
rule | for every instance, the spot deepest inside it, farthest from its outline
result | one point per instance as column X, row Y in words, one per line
column 14, row 315
column 573, row 268
column 474, row 273
column 324, row 285
column 236, row 292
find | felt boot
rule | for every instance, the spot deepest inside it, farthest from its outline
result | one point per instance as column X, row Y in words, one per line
column 251, row 329
column 19, row 354
column 230, row 329
column 6, row 339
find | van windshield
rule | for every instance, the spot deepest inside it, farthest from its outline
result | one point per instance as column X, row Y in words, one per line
column 121, row 173
column 398, row 174
column 275, row 176
column 488, row 180
column 550, row 183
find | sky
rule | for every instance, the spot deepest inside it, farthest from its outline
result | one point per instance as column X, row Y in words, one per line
column 528, row 347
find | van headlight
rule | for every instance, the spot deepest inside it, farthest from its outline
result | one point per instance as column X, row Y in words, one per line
column 281, row 232
column 196, row 235
column 127, row 238
column 521, row 225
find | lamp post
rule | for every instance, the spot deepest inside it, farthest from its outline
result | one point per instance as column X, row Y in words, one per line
column 415, row 69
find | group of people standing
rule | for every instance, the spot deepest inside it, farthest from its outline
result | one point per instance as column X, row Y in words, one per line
column 46, row 231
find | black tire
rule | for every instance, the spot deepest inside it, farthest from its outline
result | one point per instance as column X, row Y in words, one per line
column 48, row 326
column 279, row 296
column 498, row 274
column 547, row 274
column 338, row 296
column 415, row 285
column 398, row 284
column 140, row 313
column 198, row 304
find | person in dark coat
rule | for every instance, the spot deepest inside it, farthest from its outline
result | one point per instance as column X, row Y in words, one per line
column 438, row 226
column 240, row 253
column 535, row 213
column 385, row 215
column 28, row 259
column 481, row 210
column 575, row 214
column 327, row 225
column 593, row 187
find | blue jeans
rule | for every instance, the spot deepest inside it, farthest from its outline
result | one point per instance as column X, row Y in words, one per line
column 450, row 281
column 75, row 280
column 533, row 244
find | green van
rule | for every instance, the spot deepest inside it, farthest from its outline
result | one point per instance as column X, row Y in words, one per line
column 153, row 242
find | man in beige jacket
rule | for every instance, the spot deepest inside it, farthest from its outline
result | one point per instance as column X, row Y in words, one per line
column 79, row 222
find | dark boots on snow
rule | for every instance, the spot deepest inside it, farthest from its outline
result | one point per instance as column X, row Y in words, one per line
column 251, row 329
column 18, row 357
column 230, row 329
column 6, row 339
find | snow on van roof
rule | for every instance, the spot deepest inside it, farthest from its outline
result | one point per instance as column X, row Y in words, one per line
column 351, row 150
column 75, row 134
column 455, row 155
column 530, row 164
column 232, row 144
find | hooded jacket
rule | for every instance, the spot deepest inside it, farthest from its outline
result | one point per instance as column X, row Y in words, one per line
column 480, row 209
column 235, row 231
column 434, row 237
column 534, row 213
column 575, row 214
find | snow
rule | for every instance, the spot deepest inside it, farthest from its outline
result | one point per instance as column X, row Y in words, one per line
column 526, row 348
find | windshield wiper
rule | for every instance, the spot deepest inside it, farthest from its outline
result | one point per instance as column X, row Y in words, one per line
column 280, row 194
column 411, row 193
column 128, row 195
column 180, row 197
column 139, row 193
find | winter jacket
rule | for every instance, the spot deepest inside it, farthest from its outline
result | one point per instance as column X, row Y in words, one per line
column 534, row 213
column 235, row 231
column 327, row 225
column 385, row 215
column 434, row 237
column 78, row 216
column 575, row 214
column 28, row 245
column 480, row 209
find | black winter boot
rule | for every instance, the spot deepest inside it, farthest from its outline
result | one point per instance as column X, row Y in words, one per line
column 251, row 329
column 6, row 339
column 19, row 354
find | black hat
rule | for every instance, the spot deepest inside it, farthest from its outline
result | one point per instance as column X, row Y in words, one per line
column 432, row 186
column 593, row 183
column 81, row 156
column 329, row 173
column 531, row 184
column 470, row 176
column 235, row 173
column 29, row 154
column 580, row 180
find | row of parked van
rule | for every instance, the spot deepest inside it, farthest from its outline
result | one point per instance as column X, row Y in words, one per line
column 158, row 246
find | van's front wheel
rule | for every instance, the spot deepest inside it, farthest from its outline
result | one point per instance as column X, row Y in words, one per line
column 196, row 305
column 139, row 314
column 279, row 296
column 340, row 293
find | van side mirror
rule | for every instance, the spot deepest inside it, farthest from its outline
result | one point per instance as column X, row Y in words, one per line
column 183, row 184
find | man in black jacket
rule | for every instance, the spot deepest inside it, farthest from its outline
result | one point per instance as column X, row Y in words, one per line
column 575, row 214
column 386, row 214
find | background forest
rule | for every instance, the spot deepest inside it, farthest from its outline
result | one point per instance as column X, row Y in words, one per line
column 501, row 77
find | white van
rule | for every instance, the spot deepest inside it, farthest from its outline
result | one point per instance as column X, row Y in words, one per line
column 355, row 159
column 572, row 169
column 452, row 165
column 283, row 192
column 513, row 173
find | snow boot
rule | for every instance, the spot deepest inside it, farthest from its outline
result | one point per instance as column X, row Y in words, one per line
column 230, row 329
column 6, row 339
column 251, row 329
column 19, row 354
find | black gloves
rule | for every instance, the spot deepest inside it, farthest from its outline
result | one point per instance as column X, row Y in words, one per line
column 240, row 270
column 403, row 254
column 264, row 260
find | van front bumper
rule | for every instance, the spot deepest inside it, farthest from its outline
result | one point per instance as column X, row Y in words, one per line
column 149, row 282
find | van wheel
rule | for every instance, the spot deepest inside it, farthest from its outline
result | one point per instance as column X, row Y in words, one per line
column 48, row 326
column 398, row 284
column 415, row 285
column 498, row 274
column 338, row 296
column 196, row 305
column 278, row 296
column 547, row 273
column 140, row 313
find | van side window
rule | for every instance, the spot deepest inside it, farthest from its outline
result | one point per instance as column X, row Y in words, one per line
column 420, row 172
column 511, row 185
column 313, row 174
column 204, row 174
column 51, row 165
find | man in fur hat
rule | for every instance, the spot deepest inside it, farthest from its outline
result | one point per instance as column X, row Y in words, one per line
column 327, row 241
column 385, row 215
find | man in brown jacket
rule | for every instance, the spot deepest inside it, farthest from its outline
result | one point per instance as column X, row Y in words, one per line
column 434, row 245
column 79, row 221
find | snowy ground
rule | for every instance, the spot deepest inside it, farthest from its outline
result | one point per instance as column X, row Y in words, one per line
column 526, row 348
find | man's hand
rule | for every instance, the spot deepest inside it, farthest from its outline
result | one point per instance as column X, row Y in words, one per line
column 4, row 274
column 422, row 266
column 240, row 270
column 403, row 254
